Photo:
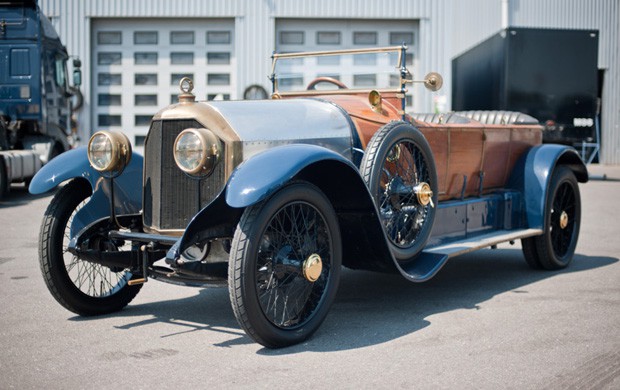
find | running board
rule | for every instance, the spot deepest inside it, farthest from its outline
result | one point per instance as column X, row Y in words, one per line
column 430, row 261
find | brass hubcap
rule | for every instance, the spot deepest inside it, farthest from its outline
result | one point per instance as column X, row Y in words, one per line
column 563, row 220
column 312, row 268
column 424, row 193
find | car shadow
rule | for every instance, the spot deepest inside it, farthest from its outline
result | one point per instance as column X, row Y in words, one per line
column 19, row 196
column 370, row 308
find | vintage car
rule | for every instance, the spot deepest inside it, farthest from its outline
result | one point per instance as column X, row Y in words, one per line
column 272, row 197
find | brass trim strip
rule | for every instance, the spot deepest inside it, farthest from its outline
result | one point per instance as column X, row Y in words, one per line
column 339, row 92
column 335, row 52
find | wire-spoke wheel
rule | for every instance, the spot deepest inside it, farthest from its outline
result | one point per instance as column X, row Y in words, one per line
column 555, row 248
column 399, row 169
column 80, row 286
column 284, row 265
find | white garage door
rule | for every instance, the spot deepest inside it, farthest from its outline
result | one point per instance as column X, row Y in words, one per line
column 137, row 65
column 293, row 35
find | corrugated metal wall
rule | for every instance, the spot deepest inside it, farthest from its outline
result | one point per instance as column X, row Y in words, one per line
column 447, row 28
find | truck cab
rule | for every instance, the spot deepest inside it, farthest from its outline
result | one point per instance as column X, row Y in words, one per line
column 35, row 94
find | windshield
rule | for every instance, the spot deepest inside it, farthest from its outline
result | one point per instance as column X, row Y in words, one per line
column 361, row 69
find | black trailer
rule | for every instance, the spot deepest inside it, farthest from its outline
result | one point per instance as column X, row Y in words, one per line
column 550, row 74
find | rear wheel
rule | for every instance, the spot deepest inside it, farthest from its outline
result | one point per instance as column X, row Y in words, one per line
column 399, row 170
column 554, row 249
column 80, row 286
column 284, row 266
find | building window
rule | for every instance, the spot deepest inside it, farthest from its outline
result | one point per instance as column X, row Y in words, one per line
column 139, row 140
column 182, row 37
column 365, row 38
column 105, row 99
column 365, row 59
column 293, row 80
column 409, row 58
column 408, row 100
column 182, row 58
column 145, row 37
column 328, row 38
column 145, row 79
column 397, row 38
column 218, row 37
column 109, row 120
column 109, row 79
column 145, row 58
column 394, row 80
column 218, row 79
column 175, row 78
column 218, row 58
column 109, row 58
column 328, row 60
column 364, row 80
column 218, row 96
column 109, row 38
column 291, row 37
column 145, row 100
column 142, row 120
column 330, row 75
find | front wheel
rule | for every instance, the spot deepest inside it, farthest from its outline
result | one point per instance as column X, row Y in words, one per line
column 554, row 249
column 80, row 286
column 284, row 265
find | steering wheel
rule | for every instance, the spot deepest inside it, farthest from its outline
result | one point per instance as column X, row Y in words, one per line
column 324, row 79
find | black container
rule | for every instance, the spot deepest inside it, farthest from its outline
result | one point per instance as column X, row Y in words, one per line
column 549, row 74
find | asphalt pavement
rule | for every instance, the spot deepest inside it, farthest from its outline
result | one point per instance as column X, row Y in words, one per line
column 486, row 321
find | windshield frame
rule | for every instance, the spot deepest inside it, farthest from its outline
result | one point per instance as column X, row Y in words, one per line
column 401, row 66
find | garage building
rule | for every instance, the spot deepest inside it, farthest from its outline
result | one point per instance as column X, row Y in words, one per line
column 134, row 52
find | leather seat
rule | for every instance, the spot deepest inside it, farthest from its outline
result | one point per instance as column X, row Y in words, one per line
column 499, row 117
column 448, row 117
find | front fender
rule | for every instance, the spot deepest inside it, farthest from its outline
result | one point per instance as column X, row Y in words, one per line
column 74, row 164
column 68, row 165
column 251, row 182
column 260, row 176
column 532, row 176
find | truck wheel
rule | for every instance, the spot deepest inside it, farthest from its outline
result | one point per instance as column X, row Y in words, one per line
column 4, row 179
column 82, row 287
column 284, row 266
column 399, row 169
column 554, row 249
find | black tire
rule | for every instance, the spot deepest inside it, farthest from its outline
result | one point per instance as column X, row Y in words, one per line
column 555, row 248
column 82, row 287
column 4, row 180
column 273, row 241
column 397, row 159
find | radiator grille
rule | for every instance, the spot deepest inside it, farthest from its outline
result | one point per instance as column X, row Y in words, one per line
column 171, row 196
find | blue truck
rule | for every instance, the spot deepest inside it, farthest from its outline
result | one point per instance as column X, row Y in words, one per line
column 37, row 102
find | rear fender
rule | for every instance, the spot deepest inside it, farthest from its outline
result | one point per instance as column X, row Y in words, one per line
column 532, row 176
column 74, row 165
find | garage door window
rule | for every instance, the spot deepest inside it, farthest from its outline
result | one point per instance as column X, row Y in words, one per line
column 145, row 37
column 109, row 58
column 145, row 79
column 218, row 58
column 182, row 37
column 398, row 38
column 291, row 37
column 182, row 58
column 218, row 37
column 364, row 38
column 109, row 79
column 145, row 58
column 109, row 38
column 328, row 38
